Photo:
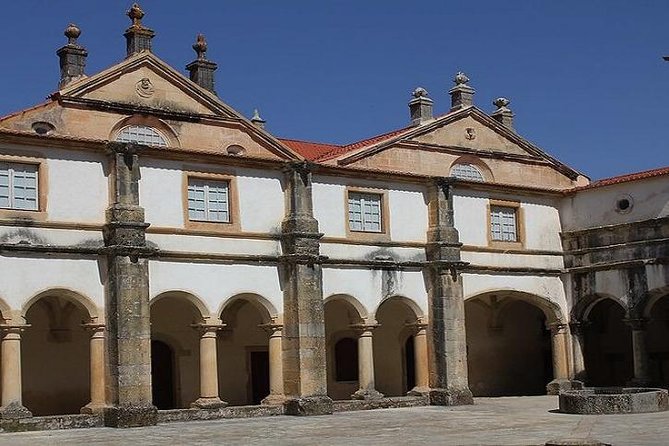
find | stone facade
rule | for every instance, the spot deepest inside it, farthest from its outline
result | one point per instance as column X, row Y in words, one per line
column 182, row 262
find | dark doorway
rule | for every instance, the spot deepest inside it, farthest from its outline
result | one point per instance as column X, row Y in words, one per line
column 259, row 376
column 409, row 364
column 162, row 375
column 346, row 360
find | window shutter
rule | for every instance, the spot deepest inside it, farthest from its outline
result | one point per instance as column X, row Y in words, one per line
column 4, row 186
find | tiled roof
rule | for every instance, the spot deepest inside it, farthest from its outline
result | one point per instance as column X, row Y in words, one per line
column 309, row 150
column 626, row 178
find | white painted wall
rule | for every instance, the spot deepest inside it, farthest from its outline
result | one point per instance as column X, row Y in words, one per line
column 597, row 206
column 214, row 245
column 407, row 210
column 214, row 284
column 369, row 252
column 50, row 236
column 498, row 259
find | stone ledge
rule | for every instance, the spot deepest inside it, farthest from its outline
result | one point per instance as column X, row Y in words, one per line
column 381, row 403
column 52, row 422
column 173, row 415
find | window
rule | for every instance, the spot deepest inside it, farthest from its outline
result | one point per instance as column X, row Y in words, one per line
column 208, row 200
column 503, row 224
column 346, row 360
column 364, row 212
column 18, row 186
column 467, row 172
column 141, row 134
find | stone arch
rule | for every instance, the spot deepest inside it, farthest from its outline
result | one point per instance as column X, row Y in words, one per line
column 582, row 308
column 161, row 126
column 352, row 302
column 78, row 299
column 651, row 298
column 478, row 163
column 6, row 312
column 262, row 304
column 410, row 303
column 551, row 310
column 199, row 305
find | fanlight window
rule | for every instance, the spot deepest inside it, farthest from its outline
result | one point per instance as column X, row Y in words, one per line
column 141, row 134
column 467, row 172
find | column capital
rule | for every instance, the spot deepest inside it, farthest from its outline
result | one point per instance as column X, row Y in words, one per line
column 365, row 328
column 559, row 327
column 94, row 327
column 636, row 323
column 204, row 328
column 271, row 327
column 418, row 325
column 13, row 329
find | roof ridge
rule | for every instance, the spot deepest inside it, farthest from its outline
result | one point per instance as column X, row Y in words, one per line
column 625, row 178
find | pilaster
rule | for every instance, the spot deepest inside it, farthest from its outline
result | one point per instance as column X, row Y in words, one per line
column 639, row 351
column 304, row 367
column 446, row 338
column 127, row 301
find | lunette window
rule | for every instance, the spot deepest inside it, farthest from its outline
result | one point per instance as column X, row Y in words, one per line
column 503, row 224
column 364, row 212
column 208, row 200
column 141, row 134
column 18, row 186
column 467, row 172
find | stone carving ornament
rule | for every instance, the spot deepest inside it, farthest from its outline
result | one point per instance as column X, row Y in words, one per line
column 144, row 88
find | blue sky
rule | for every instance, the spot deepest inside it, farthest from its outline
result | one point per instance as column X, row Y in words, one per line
column 586, row 79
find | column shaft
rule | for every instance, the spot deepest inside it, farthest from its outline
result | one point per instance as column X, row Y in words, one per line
column 420, row 360
column 97, row 369
column 276, row 393
column 12, row 399
column 560, row 351
column 366, row 380
column 209, row 398
column 639, row 351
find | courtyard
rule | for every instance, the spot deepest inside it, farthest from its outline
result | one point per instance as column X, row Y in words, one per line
column 491, row 421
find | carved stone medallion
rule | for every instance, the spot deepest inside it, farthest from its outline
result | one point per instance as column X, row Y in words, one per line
column 144, row 88
column 470, row 133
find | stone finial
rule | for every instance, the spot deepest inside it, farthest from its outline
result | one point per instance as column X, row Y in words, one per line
column 420, row 107
column 200, row 47
column 202, row 70
column 138, row 37
column 136, row 14
column 462, row 95
column 257, row 120
column 503, row 114
column 72, row 57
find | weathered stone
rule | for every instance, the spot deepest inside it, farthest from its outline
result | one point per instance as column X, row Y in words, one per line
column 13, row 411
column 309, row 406
column 131, row 416
column 610, row 400
column 559, row 385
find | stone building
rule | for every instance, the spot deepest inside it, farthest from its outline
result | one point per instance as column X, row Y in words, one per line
column 159, row 250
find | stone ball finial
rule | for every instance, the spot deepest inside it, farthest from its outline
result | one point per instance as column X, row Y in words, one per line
column 501, row 102
column 460, row 78
column 419, row 92
column 136, row 14
column 200, row 46
column 72, row 32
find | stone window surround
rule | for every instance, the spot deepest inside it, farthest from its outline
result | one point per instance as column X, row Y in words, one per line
column 520, row 224
column 233, row 201
column 382, row 236
column 156, row 124
column 39, row 160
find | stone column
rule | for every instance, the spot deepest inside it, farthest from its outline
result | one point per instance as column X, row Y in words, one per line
column 127, row 296
column 12, row 398
column 304, row 369
column 578, row 350
column 641, row 370
column 446, row 338
column 209, row 398
column 366, row 382
column 276, row 395
column 559, row 341
column 420, row 360
column 97, row 369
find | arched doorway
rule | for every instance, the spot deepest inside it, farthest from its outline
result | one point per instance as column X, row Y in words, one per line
column 397, row 318
column 243, row 346
column 56, row 355
column 607, row 345
column 342, row 346
column 508, row 346
column 657, row 342
column 175, row 349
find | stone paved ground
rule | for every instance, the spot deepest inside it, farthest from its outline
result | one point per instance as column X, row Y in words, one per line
column 491, row 421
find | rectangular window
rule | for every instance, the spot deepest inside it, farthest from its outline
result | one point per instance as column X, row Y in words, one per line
column 503, row 224
column 208, row 200
column 18, row 186
column 364, row 212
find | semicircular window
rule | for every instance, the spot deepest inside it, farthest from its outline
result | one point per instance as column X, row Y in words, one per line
column 141, row 134
column 467, row 172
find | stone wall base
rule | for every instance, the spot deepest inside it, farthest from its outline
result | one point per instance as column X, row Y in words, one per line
column 130, row 416
column 51, row 422
column 169, row 416
column 450, row 397
column 382, row 403
column 308, row 406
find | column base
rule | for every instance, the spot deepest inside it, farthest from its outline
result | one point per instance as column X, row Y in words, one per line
column 130, row 416
column 208, row 403
column 91, row 408
column 308, row 406
column 451, row 396
column 367, row 394
column 557, row 385
column 419, row 391
column 273, row 400
column 14, row 411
